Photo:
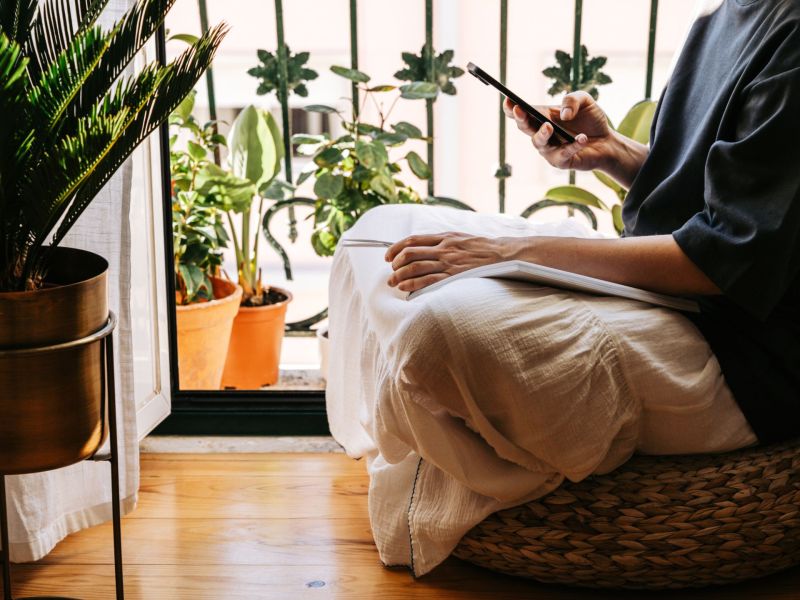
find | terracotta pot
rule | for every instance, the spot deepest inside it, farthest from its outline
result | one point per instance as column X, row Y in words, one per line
column 255, row 352
column 51, row 412
column 204, row 331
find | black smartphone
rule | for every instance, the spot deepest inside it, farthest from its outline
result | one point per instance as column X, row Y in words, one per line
column 560, row 135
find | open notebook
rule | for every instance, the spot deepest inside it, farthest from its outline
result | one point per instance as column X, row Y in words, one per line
column 519, row 270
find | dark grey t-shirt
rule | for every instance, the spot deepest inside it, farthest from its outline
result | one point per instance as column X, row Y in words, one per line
column 723, row 177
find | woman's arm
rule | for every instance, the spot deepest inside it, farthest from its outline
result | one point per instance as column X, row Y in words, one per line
column 654, row 263
column 596, row 145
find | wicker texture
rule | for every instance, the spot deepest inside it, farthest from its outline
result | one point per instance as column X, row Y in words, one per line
column 657, row 522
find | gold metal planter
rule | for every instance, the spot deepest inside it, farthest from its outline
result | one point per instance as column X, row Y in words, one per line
column 51, row 402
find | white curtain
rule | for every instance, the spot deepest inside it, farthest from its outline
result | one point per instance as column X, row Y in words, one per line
column 46, row 507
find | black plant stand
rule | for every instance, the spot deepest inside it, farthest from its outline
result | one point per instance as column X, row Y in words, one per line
column 106, row 337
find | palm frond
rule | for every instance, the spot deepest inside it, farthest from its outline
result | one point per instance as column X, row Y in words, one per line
column 82, row 74
column 122, row 106
column 14, row 133
column 175, row 81
column 69, row 118
column 61, row 83
column 124, row 42
column 56, row 25
column 66, row 166
column 16, row 17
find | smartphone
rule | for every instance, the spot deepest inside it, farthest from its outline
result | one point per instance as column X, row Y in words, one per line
column 560, row 135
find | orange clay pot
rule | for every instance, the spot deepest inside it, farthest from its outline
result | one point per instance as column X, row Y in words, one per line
column 255, row 350
column 204, row 330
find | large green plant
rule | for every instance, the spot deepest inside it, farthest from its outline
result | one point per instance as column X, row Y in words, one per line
column 255, row 152
column 198, row 233
column 70, row 116
column 354, row 173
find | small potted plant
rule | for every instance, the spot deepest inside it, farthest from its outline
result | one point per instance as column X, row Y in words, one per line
column 255, row 151
column 354, row 172
column 206, row 303
column 70, row 117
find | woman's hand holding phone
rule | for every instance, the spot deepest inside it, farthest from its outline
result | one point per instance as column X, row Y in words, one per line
column 596, row 146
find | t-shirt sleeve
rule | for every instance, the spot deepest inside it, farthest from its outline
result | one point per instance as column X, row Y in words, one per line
column 747, row 237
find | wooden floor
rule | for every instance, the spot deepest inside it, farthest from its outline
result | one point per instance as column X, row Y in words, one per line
column 279, row 526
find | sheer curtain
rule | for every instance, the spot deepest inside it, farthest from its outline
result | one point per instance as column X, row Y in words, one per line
column 46, row 507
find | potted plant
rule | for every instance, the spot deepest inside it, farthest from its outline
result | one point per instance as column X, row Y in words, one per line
column 354, row 172
column 206, row 303
column 70, row 118
column 255, row 152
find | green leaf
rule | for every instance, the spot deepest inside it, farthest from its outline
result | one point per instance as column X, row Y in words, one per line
column 350, row 74
column 417, row 90
column 277, row 189
column 408, row 129
column 304, row 138
column 320, row 108
column 391, row 139
column 636, row 124
column 620, row 191
column 382, row 88
column 323, row 242
column 184, row 37
column 185, row 108
column 196, row 151
column 329, row 157
column 419, row 167
column 361, row 174
column 195, row 281
column 371, row 155
column 253, row 149
column 383, row 185
column 329, row 186
column 304, row 175
column 616, row 215
column 573, row 193
column 277, row 140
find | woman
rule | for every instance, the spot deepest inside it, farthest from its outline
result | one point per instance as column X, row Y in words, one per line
column 485, row 394
column 713, row 209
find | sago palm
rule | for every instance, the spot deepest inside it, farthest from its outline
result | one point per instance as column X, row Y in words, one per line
column 70, row 115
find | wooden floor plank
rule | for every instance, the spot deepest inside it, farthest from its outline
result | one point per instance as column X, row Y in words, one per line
column 176, row 496
column 226, row 542
column 281, row 526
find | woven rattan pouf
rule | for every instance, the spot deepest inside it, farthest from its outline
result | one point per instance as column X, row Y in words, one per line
column 656, row 522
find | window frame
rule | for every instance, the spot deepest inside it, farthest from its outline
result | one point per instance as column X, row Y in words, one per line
column 224, row 412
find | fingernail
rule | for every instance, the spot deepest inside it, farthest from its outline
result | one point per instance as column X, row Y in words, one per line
column 390, row 283
column 582, row 139
column 566, row 112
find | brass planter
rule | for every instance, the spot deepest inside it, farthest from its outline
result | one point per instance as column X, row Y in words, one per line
column 51, row 403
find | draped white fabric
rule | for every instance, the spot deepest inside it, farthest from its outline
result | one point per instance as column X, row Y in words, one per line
column 46, row 507
column 486, row 394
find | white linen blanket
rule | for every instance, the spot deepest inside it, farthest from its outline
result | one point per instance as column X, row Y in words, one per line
column 486, row 394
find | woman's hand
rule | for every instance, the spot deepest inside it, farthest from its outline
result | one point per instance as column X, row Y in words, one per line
column 420, row 260
column 596, row 146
